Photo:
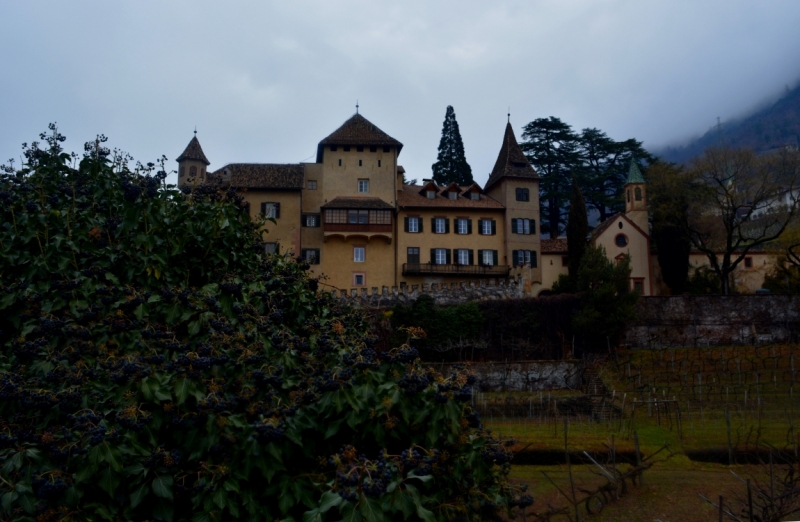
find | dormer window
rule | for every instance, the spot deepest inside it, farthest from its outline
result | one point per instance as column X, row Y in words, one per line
column 452, row 195
column 431, row 194
column 474, row 196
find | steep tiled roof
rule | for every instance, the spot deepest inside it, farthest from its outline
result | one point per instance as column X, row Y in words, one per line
column 634, row 174
column 511, row 162
column 262, row 175
column 358, row 131
column 554, row 246
column 412, row 196
column 370, row 203
column 194, row 152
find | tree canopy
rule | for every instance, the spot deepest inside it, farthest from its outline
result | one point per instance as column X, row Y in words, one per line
column 155, row 363
column 598, row 162
column 451, row 164
column 577, row 230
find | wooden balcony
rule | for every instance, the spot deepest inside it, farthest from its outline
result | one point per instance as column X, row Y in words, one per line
column 455, row 270
column 356, row 227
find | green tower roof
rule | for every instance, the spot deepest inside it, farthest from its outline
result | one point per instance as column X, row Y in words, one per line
column 634, row 174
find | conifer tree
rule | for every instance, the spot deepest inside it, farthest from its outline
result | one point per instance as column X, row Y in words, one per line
column 577, row 229
column 451, row 164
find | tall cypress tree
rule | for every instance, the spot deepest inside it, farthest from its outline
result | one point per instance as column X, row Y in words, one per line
column 451, row 164
column 577, row 229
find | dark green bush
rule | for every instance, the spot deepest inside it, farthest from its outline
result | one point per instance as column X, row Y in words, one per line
column 443, row 325
column 156, row 365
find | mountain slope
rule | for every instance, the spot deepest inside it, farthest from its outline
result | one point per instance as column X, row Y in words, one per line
column 770, row 127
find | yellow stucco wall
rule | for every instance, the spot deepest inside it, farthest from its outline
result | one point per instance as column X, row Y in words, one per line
column 638, row 247
column 552, row 267
column 426, row 240
column 338, row 265
column 342, row 181
column 286, row 230
column 745, row 280
column 505, row 192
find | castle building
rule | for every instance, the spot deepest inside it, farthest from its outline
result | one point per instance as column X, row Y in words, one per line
column 350, row 215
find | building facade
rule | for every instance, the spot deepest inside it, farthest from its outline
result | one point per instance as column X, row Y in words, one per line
column 350, row 215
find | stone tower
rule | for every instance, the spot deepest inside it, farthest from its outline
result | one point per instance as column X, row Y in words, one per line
column 636, row 198
column 192, row 164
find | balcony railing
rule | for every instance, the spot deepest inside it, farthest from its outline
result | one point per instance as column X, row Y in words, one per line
column 355, row 227
column 456, row 270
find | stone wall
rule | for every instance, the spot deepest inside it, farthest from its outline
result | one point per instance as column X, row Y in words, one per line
column 714, row 320
column 443, row 294
column 522, row 376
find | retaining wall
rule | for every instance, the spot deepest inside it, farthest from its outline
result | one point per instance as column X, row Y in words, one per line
column 714, row 320
column 443, row 294
column 523, row 375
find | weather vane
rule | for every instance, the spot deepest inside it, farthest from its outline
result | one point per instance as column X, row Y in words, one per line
column 195, row 130
column 509, row 114
column 356, row 106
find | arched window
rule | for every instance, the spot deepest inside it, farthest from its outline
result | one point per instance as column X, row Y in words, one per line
column 638, row 193
column 182, row 172
column 192, row 172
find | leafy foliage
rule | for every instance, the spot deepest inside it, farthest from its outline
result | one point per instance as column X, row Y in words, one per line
column 669, row 203
column 607, row 304
column 442, row 324
column 156, row 364
column 451, row 164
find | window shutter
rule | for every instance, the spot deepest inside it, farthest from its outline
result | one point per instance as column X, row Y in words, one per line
column 514, row 225
column 534, row 261
column 405, row 224
column 480, row 257
column 263, row 208
column 471, row 259
column 433, row 225
column 419, row 224
column 514, row 257
column 277, row 210
column 446, row 226
column 494, row 257
column 447, row 256
column 533, row 227
column 494, row 227
column 469, row 227
column 433, row 256
column 480, row 226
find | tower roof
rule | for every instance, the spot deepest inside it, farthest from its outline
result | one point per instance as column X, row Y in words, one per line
column 634, row 174
column 511, row 162
column 358, row 131
column 194, row 152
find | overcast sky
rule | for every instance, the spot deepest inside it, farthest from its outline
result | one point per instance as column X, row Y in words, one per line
column 265, row 81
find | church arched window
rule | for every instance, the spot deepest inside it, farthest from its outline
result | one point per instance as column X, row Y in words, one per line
column 638, row 193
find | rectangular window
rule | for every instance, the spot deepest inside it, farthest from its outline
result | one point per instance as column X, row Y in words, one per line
column 488, row 227
column 340, row 162
column 521, row 226
column 358, row 217
column 564, row 261
column 359, row 279
column 452, row 195
column 333, row 148
column 363, row 184
column 312, row 185
column 474, row 196
column 431, row 194
column 359, row 148
column 463, row 256
column 379, row 163
column 386, row 149
column 748, row 262
column 523, row 257
column 638, row 286
column 413, row 224
column 311, row 220
column 440, row 225
column 271, row 210
column 310, row 255
column 523, row 194
column 487, row 257
column 441, row 256
column 359, row 163
column 346, row 148
column 413, row 255
column 462, row 226
column 373, row 148
column 359, row 254
column 270, row 248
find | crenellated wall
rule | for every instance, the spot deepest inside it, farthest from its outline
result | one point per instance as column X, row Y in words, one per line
column 443, row 294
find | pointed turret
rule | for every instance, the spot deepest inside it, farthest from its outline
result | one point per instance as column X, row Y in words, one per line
column 511, row 161
column 636, row 197
column 192, row 164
